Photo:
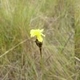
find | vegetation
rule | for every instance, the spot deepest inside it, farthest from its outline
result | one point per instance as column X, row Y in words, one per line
column 20, row 56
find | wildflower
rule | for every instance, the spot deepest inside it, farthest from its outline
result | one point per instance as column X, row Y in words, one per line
column 39, row 38
column 38, row 34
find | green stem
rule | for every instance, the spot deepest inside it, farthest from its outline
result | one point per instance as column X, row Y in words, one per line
column 41, row 61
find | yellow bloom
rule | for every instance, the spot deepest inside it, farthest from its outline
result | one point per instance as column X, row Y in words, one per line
column 38, row 34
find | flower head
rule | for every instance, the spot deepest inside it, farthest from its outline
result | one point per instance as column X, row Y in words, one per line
column 38, row 34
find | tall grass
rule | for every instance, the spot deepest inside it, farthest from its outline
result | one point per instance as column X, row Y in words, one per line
column 20, row 57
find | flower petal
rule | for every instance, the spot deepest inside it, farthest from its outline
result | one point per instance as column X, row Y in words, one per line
column 32, row 32
column 40, row 39
column 43, row 35
column 38, row 34
column 41, row 30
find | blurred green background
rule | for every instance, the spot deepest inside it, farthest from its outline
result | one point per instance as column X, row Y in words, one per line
column 19, row 55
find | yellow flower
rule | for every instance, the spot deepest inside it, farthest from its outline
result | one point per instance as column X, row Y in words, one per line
column 38, row 34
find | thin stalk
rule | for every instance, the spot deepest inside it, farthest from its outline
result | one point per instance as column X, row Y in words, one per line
column 42, row 62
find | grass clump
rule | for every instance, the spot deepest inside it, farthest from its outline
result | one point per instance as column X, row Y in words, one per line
column 19, row 55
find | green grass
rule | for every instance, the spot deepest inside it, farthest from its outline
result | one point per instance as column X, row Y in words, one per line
column 20, row 57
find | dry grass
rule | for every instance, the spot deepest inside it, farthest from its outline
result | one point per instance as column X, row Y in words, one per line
column 20, row 57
